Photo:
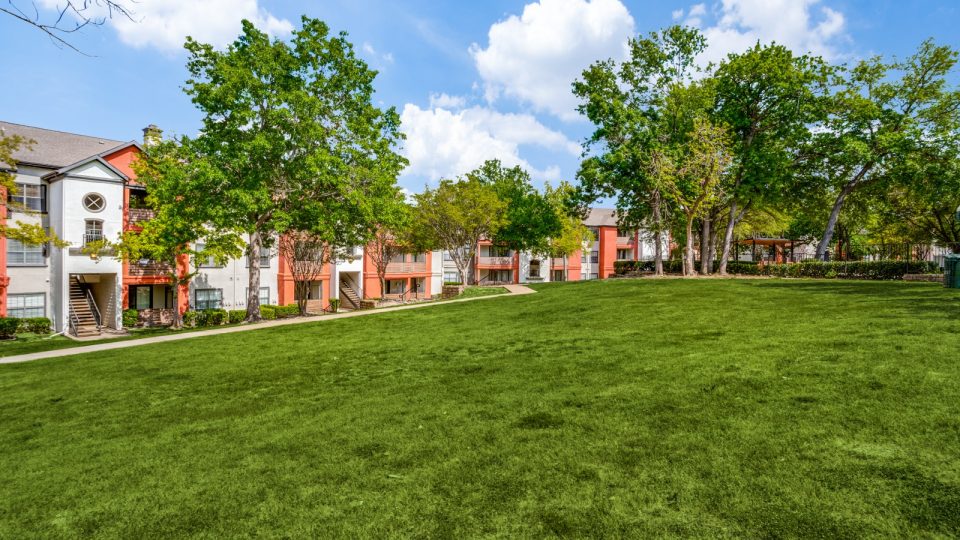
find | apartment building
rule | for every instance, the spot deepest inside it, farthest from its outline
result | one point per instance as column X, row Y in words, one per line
column 497, row 265
column 84, row 189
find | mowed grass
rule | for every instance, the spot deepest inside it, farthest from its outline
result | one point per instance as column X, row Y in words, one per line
column 632, row 408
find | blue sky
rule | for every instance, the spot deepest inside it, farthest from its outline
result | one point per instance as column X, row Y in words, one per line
column 472, row 79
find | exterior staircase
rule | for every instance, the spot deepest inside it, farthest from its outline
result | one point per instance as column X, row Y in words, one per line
column 84, row 317
column 348, row 291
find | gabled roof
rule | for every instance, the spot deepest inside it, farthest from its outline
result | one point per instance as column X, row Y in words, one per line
column 55, row 175
column 601, row 217
column 57, row 149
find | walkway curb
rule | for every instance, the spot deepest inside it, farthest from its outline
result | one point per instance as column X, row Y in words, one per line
column 513, row 290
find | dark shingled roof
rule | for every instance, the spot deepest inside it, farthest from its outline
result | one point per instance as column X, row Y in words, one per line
column 55, row 149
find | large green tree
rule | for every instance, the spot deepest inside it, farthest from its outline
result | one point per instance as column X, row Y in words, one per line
column 626, row 101
column 530, row 218
column 573, row 236
column 291, row 135
column 883, row 117
column 768, row 97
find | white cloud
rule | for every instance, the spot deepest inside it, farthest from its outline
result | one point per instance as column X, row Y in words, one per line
column 374, row 54
column 165, row 24
column 446, row 101
column 536, row 57
column 801, row 25
column 444, row 144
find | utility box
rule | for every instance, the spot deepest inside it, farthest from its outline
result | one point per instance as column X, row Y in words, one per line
column 951, row 272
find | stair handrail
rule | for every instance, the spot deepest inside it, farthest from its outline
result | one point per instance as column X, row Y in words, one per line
column 346, row 282
column 73, row 321
column 94, row 308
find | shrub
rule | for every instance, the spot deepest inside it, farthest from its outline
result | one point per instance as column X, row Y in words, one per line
column 35, row 325
column 873, row 270
column 213, row 317
column 236, row 315
column 334, row 305
column 285, row 312
column 131, row 318
column 190, row 318
column 268, row 313
column 8, row 327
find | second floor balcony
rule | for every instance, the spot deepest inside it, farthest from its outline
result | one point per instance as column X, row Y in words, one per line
column 139, row 215
column 495, row 262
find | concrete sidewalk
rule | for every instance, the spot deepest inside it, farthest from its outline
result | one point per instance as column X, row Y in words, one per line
column 514, row 290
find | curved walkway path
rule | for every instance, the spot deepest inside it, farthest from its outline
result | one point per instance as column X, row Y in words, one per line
column 514, row 290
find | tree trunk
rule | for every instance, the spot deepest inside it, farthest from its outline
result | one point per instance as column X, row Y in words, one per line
column 832, row 222
column 657, row 237
column 177, row 321
column 705, row 233
column 383, row 284
column 253, row 284
column 714, row 240
column 734, row 219
column 688, row 266
column 301, row 288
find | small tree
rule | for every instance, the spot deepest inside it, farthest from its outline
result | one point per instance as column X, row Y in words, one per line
column 693, row 173
column 390, row 236
column 573, row 235
column 456, row 216
column 182, row 215
column 306, row 254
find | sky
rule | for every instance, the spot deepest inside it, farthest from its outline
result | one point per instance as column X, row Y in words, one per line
column 471, row 80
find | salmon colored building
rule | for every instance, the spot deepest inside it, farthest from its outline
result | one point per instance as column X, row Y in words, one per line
column 409, row 276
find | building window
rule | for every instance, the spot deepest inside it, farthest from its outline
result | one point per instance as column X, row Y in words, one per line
column 534, row 268
column 558, row 275
column 623, row 255
column 29, row 197
column 208, row 298
column 138, row 199
column 264, row 258
column 594, row 257
column 206, row 262
column 451, row 277
column 141, row 296
column 264, row 295
column 23, row 306
column 418, row 257
column 398, row 258
column 396, row 286
column 93, row 231
column 94, row 202
column 499, row 251
column 447, row 256
column 20, row 254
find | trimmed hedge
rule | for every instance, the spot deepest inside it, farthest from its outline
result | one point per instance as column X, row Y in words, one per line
column 236, row 315
column 8, row 327
column 190, row 318
column 35, row 325
column 268, row 313
column 131, row 318
column 874, row 270
column 288, row 311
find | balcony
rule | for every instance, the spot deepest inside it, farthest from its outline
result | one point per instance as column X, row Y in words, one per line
column 407, row 267
column 148, row 269
column 495, row 262
column 557, row 262
column 139, row 215
column 626, row 241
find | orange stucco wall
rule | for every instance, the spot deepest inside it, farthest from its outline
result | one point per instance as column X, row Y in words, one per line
column 286, row 285
column 608, row 251
column 123, row 160
column 371, row 281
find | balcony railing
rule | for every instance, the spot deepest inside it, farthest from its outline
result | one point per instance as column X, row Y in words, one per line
column 624, row 240
column 406, row 267
column 495, row 261
column 557, row 262
column 148, row 269
column 138, row 215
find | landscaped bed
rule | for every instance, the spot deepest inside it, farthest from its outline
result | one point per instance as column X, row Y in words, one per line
column 642, row 408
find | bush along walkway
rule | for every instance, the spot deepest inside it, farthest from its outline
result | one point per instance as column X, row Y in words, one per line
column 513, row 290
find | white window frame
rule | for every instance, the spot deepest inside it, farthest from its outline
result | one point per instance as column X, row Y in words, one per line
column 196, row 299
column 23, row 251
column 13, row 311
column 264, row 300
column 22, row 198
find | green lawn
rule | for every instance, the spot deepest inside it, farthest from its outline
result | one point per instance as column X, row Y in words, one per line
column 30, row 343
column 639, row 408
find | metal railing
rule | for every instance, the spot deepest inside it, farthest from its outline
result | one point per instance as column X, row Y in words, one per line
column 94, row 308
column 495, row 261
column 74, row 321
